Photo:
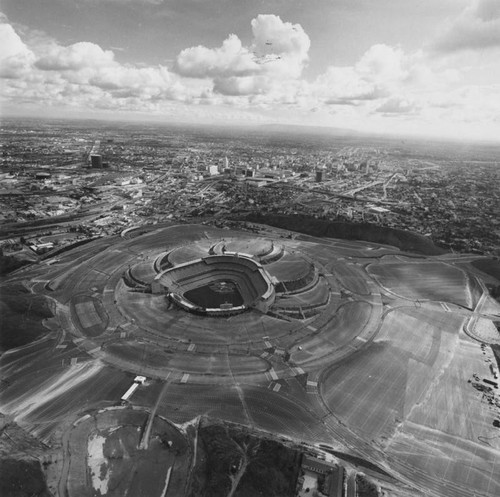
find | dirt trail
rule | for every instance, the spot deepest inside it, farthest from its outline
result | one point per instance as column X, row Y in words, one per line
column 144, row 444
column 235, row 479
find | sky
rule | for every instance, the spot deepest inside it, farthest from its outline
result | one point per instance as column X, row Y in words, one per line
column 426, row 67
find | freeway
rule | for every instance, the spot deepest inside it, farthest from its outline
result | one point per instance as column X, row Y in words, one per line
column 371, row 184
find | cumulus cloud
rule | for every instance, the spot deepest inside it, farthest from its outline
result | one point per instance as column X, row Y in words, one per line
column 12, row 45
column 116, row 77
column 259, row 80
column 82, row 74
column 75, row 57
column 229, row 60
column 284, row 44
column 397, row 105
column 380, row 71
column 343, row 85
column 278, row 50
column 381, row 64
column 15, row 56
column 381, row 76
column 476, row 28
column 239, row 86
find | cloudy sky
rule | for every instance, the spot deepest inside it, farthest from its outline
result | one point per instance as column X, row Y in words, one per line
column 393, row 66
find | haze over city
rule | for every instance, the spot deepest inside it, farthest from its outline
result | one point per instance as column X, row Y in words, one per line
column 426, row 68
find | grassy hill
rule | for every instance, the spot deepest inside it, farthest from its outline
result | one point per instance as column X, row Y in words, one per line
column 21, row 318
column 404, row 240
column 233, row 458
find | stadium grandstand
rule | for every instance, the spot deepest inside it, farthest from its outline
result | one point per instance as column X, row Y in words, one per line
column 217, row 285
column 265, row 251
column 225, row 277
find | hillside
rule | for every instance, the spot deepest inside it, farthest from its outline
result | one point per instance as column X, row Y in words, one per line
column 22, row 314
column 404, row 240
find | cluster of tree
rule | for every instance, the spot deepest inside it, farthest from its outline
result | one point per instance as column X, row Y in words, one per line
column 22, row 316
column 22, row 478
column 495, row 291
column 404, row 240
column 9, row 263
column 265, row 467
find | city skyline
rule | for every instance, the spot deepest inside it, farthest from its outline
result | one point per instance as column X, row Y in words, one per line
column 402, row 68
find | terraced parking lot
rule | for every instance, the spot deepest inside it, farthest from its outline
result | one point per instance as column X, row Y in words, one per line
column 423, row 280
column 363, row 348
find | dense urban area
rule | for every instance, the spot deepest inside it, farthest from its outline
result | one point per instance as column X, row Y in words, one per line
column 67, row 182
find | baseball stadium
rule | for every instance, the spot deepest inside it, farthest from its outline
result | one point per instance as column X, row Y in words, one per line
column 217, row 285
column 382, row 355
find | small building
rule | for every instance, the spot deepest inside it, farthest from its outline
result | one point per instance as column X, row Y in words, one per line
column 42, row 176
column 213, row 170
column 316, row 465
column 378, row 210
column 41, row 248
column 257, row 182
column 333, row 476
